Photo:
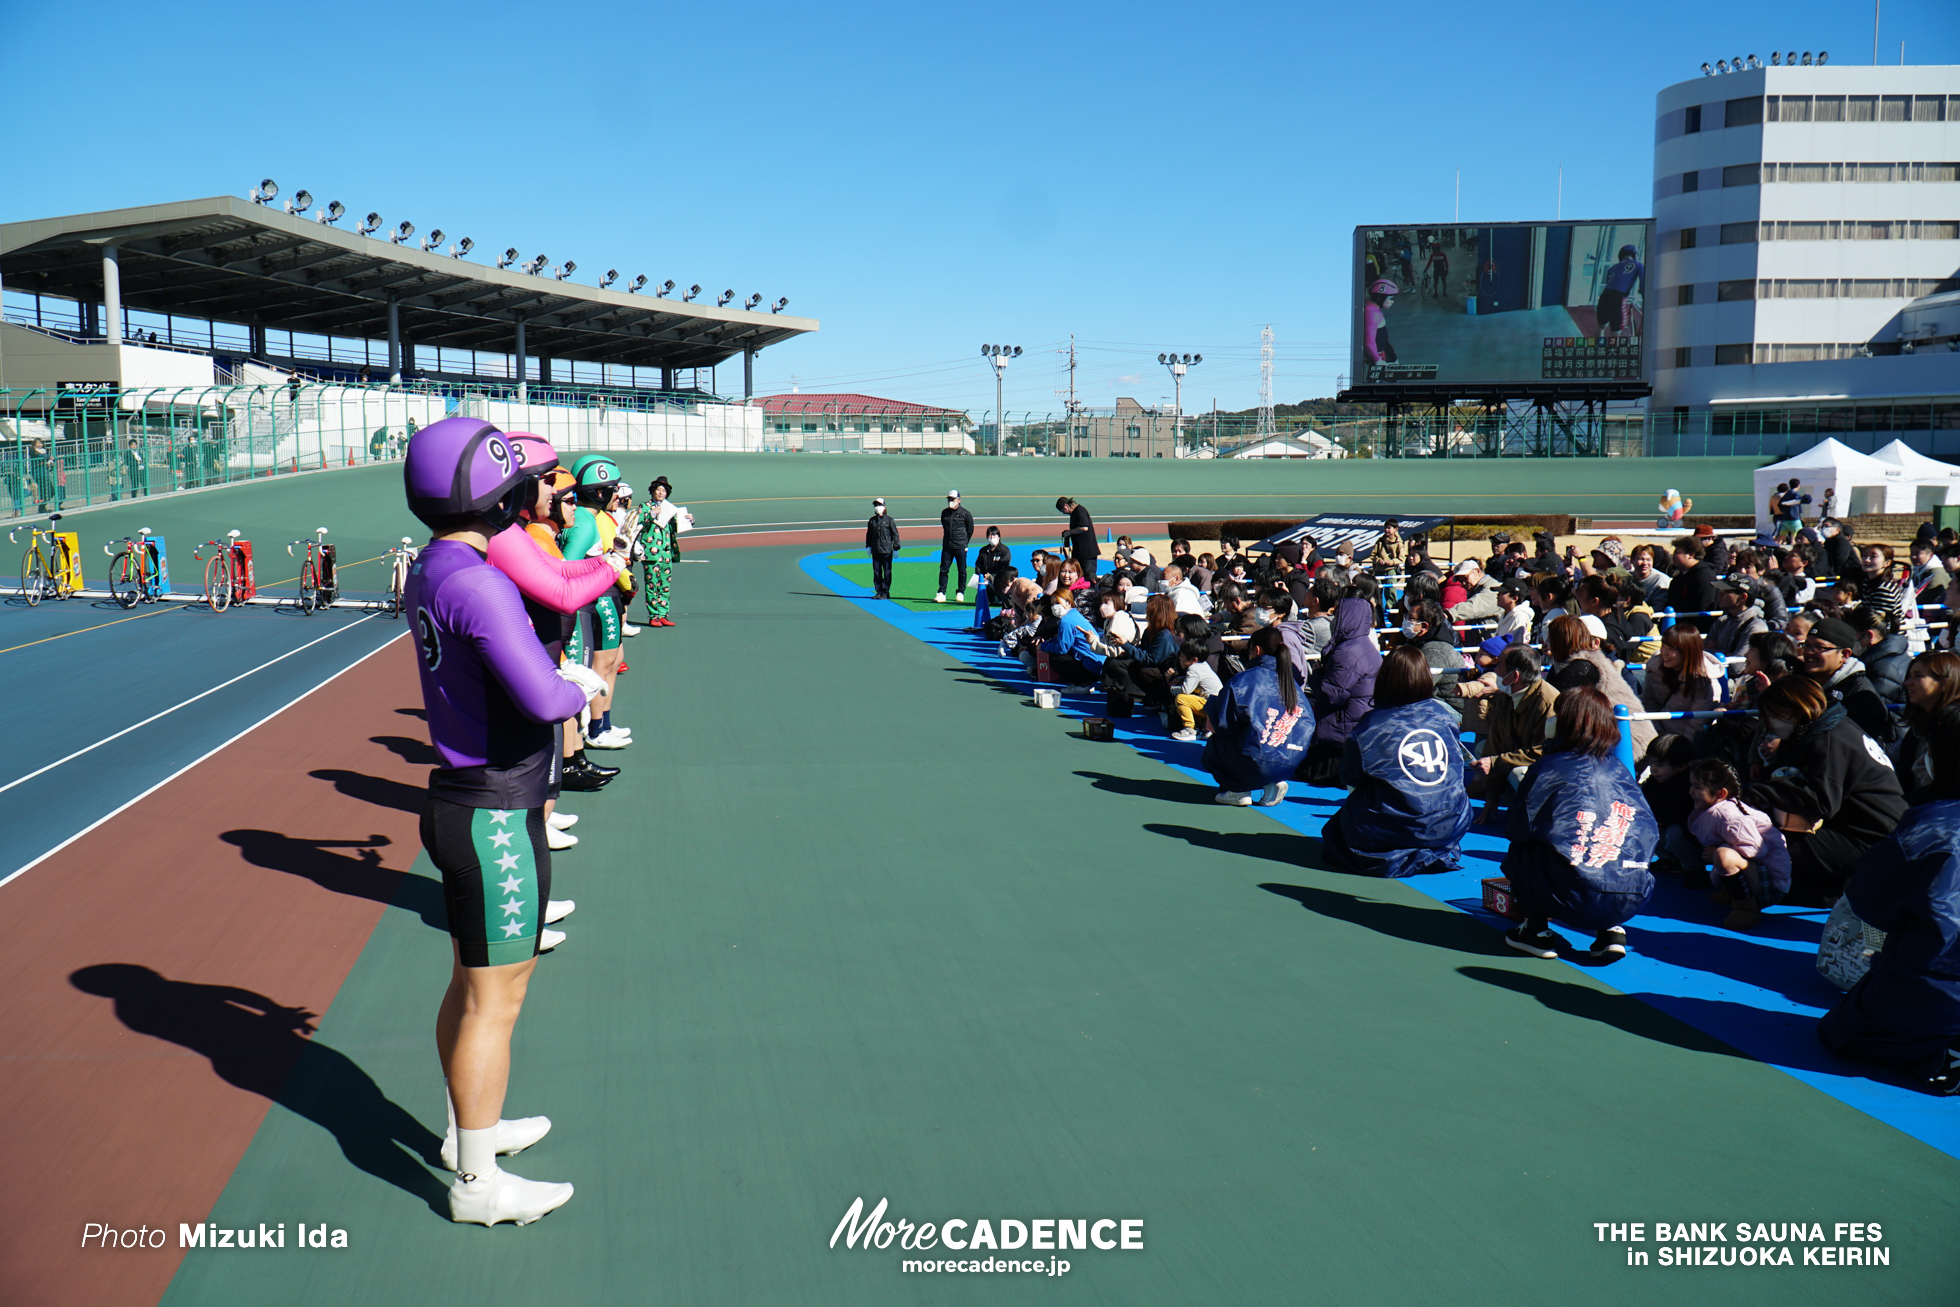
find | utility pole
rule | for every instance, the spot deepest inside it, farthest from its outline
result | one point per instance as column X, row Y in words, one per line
column 1068, row 434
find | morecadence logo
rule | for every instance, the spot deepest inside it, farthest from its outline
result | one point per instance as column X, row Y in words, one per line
column 871, row 1230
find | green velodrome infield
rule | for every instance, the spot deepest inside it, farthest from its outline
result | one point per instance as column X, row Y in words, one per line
column 856, row 923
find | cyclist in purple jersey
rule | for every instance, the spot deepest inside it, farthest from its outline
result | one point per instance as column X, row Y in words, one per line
column 1615, row 309
column 492, row 695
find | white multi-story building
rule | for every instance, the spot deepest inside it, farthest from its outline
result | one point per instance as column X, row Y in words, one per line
column 1799, row 212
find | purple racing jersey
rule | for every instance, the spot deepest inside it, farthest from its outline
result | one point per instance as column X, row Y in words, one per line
column 1625, row 275
column 490, row 689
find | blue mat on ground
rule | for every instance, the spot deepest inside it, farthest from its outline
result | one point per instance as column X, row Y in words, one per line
column 1757, row 992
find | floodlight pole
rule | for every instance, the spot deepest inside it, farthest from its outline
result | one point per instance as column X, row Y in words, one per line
column 1178, row 368
column 748, row 374
column 998, row 355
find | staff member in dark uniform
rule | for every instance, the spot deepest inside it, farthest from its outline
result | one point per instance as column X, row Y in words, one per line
column 955, row 530
column 881, row 539
column 1080, row 537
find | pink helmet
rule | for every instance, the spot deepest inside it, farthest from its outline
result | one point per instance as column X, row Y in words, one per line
column 1384, row 287
column 534, row 453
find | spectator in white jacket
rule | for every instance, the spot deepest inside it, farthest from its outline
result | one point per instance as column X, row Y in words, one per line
column 1185, row 595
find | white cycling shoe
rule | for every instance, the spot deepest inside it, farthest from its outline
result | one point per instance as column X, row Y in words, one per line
column 502, row 1196
column 512, row 1137
column 549, row 940
column 556, row 910
column 555, row 839
column 562, row 820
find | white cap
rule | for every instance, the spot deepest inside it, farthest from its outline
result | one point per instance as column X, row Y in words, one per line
column 1593, row 624
column 952, row 494
column 877, row 503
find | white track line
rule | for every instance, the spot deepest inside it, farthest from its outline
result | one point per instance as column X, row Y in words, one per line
column 22, row 780
column 23, row 870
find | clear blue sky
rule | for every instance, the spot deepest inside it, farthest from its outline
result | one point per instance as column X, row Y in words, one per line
column 921, row 178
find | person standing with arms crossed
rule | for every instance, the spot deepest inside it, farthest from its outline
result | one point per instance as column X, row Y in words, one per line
column 955, row 530
column 881, row 539
column 1079, row 538
column 493, row 698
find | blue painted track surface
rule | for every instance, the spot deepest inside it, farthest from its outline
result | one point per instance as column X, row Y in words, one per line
column 80, row 670
column 1758, row 992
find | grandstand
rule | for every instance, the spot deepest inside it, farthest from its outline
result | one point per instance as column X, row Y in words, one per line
column 231, row 339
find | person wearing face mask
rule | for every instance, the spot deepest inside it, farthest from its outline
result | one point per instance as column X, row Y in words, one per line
column 1825, row 783
column 1078, row 656
column 993, row 557
column 1508, row 709
column 881, row 541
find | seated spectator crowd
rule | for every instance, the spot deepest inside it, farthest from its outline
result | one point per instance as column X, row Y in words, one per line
column 1793, row 708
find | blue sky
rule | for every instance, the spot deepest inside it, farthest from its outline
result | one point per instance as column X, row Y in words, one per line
column 921, row 178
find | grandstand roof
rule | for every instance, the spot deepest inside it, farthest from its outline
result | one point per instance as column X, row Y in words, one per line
column 231, row 260
column 850, row 403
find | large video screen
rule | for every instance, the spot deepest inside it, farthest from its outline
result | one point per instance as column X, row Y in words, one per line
column 1509, row 302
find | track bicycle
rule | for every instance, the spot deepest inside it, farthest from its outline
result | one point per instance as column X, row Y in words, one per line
column 315, row 572
column 224, row 572
column 135, row 573
column 399, row 561
column 42, row 577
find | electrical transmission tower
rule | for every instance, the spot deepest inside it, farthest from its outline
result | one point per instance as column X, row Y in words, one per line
column 1266, row 382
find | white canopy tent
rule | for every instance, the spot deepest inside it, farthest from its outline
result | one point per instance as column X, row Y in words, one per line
column 1864, row 484
column 1928, row 482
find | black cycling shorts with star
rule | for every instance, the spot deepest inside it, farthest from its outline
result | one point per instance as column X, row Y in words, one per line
column 496, row 878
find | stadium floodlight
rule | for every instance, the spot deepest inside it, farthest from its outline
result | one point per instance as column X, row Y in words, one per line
column 1754, row 62
column 265, row 192
column 510, row 257
column 1707, row 71
column 633, row 287
column 1823, row 57
column 300, row 203
column 665, row 290
column 566, row 271
column 779, row 305
column 753, row 300
column 1775, row 59
column 1806, row 58
column 612, row 275
column 461, row 248
column 1735, row 64
column 402, row 233
column 333, row 213
column 722, row 301
column 433, row 240
column 1721, row 65
column 535, row 264
column 370, row 224
column 692, row 291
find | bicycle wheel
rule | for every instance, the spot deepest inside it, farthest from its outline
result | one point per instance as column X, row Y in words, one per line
column 125, row 581
column 309, row 589
column 217, row 583
column 33, row 577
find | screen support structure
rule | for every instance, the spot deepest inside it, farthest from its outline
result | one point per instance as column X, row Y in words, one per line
column 1562, row 420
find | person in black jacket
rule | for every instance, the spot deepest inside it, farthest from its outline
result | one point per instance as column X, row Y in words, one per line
column 1829, row 656
column 1693, row 588
column 955, row 529
column 881, row 538
column 1882, row 651
column 1825, row 783
column 992, row 558
column 1840, row 554
column 1080, row 536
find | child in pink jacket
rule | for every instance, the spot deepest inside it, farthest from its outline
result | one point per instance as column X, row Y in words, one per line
column 1748, row 859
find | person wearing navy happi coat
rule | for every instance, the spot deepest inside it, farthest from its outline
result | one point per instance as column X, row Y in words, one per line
column 1905, row 1011
column 1407, row 808
column 1581, row 832
column 1259, row 740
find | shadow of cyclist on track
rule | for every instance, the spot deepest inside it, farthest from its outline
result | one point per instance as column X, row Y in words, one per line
column 360, row 876
column 258, row 1045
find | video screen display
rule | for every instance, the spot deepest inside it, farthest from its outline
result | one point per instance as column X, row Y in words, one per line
column 1503, row 303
